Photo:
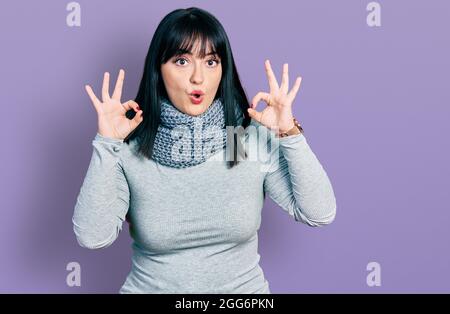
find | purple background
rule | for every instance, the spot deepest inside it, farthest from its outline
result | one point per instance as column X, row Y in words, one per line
column 374, row 104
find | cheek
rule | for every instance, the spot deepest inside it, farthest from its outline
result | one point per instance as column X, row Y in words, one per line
column 173, row 79
column 216, row 77
column 218, row 74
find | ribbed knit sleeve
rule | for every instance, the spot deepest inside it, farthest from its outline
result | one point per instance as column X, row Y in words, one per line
column 103, row 200
column 298, row 183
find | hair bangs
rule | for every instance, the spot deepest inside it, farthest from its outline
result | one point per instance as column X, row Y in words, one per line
column 187, row 34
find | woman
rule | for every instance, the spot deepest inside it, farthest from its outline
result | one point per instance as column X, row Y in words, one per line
column 166, row 163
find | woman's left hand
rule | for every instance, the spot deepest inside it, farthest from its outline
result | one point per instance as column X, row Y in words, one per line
column 278, row 113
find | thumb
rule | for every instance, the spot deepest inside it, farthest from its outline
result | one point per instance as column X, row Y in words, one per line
column 138, row 118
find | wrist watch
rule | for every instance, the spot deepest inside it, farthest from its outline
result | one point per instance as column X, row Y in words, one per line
column 296, row 129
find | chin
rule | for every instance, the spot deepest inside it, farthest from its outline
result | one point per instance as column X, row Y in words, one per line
column 196, row 110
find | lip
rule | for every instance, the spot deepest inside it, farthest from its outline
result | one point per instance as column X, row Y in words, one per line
column 196, row 100
column 197, row 91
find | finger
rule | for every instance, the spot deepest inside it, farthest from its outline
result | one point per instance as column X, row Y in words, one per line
column 105, row 87
column 260, row 96
column 92, row 96
column 131, row 105
column 295, row 88
column 285, row 79
column 273, row 83
column 119, row 84
column 255, row 114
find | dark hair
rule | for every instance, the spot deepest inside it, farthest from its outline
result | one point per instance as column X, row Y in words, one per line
column 177, row 32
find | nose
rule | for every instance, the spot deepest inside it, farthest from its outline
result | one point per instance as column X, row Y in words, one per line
column 197, row 75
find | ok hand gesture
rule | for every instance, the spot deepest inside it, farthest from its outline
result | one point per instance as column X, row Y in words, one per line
column 278, row 113
column 112, row 121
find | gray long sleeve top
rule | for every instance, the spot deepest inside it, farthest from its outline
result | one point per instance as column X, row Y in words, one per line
column 195, row 229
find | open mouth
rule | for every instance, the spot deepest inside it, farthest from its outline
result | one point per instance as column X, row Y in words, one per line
column 196, row 97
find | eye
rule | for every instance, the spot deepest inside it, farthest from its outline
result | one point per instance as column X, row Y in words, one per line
column 180, row 59
column 213, row 60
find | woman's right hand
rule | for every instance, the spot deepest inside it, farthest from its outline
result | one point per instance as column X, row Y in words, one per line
column 112, row 121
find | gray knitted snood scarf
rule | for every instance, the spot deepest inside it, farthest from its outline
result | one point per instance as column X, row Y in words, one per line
column 183, row 140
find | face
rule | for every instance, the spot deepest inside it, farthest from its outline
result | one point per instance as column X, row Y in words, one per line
column 185, row 74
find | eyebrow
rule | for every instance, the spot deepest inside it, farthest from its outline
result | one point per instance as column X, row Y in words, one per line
column 184, row 51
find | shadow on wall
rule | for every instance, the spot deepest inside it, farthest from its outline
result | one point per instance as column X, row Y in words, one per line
column 62, row 165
